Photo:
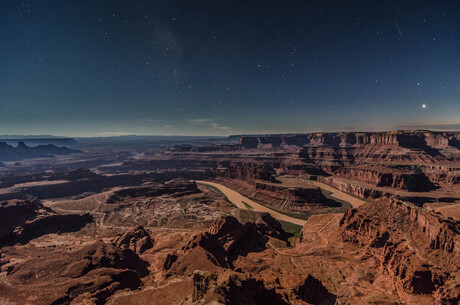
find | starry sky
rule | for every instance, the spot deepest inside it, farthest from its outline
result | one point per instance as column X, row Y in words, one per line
column 202, row 67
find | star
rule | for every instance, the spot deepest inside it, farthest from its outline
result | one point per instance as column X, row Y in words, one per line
column 423, row 106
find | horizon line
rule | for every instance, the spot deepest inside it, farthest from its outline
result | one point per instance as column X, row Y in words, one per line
column 44, row 136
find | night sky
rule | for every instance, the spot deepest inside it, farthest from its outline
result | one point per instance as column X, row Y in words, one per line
column 83, row 68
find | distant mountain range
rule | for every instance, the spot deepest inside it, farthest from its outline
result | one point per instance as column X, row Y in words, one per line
column 22, row 151
column 35, row 141
column 39, row 136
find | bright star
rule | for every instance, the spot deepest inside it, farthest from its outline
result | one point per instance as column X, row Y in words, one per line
column 423, row 106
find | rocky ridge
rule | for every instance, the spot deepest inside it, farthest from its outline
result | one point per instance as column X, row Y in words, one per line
column 89, row 275
column 420, row 251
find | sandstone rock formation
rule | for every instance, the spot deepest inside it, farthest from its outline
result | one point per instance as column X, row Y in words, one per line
column 387, row 251
column 136, row 239
column 250, row 173
column 241, row 289
column 89, row 275
column 420, row 251
column 402, row 178
column 426, row 140
column 299, row 198
column 227, row 239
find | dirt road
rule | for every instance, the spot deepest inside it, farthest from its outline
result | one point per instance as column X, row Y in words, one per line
column 237, row 199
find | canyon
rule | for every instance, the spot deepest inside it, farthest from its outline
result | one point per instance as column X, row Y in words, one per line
column 314, row 218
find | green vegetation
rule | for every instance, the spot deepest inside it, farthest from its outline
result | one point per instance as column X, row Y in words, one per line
column 344, row 205
column 329, row 192
column 305, row 215
column 299, row 215
column 215, row 190
column 292, row 229
column 247, row 206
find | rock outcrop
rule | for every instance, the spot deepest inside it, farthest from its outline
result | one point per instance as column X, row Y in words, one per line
column 79, row 181
column 240, row 289
column 288, row 198
column 91, row 274
column 250, row 173
column 419, row 250
column 401, row 178
column 137, row 239
column 421, row 139
column 233, row 288
column 313, row 292
column 176, row 187
column 227, row 239
column 103, row 255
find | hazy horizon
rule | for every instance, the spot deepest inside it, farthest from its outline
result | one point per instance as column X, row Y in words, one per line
column 437, row 128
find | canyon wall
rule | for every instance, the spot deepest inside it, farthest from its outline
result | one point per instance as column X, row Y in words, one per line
column 416, row 248
column 405, row 139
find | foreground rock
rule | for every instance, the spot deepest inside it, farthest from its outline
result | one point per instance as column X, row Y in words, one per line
column 215, row 258
column 136, row 239
column 221, row 245
column 419, row 250
column 91, row 274
column 233, row 289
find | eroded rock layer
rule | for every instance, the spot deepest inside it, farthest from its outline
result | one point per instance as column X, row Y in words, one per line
column 419, row 250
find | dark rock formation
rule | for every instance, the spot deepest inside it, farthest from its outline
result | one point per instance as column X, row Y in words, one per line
column 22, row 151
column 176, row 187
column 136, row 239
column 80, row 181
column 201, row 284
column 58, row 141
column 170, row 259
column 100, row 254
column 312, row 291
column 21, row 221
column 233, row 289
column 243, row 290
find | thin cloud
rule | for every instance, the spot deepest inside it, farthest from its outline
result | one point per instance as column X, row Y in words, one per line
column 114, row 133
column 199, row 121
column 220, row 127
column 208, row 122
column 154, row 120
